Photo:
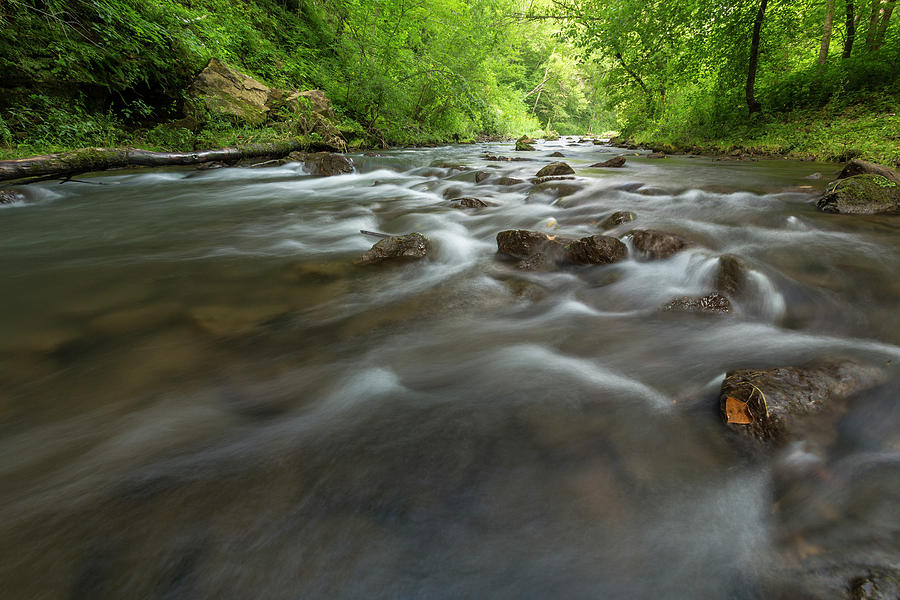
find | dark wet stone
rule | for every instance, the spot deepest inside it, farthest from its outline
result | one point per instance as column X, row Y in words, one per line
column 481, row 176
column 412, row 246
column 657, row 244
column 591, row 250
column 656, row 155
column 596, row 250
column 522, row 243
column 861, row 195
column 10, row 196
column 470, row 202
column 452, row 192
column 540, row 180
column 779, row 400
column 862, row 167
column 711, row 304
column 614, row 162
column 324, row 164
column 557, row 154
column 731, row 277
column 876, row 586
column 509, row 181
column 617, row 218
column 556, row 168
column 524, row 143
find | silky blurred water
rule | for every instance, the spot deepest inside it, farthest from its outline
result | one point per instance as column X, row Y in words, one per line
column 201, row 396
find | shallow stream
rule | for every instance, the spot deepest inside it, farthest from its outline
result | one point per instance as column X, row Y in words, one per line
column 201, row 396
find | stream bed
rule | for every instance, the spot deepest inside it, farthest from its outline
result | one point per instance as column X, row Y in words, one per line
column 202, row 396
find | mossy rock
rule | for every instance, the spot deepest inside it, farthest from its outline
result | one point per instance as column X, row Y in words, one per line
column 861, row 195
column 225, row 91
column 524, row 143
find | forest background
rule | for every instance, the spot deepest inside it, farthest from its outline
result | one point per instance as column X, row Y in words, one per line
column 805, row 78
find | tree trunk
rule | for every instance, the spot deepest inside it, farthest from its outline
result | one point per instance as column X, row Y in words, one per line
column 752, row 104
column 826, row 34
column 851, row 30
column 86, row 160
column 637, row 79
column 873, row 23
column 882, row 27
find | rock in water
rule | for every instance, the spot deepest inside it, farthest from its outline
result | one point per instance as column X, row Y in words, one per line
column 657, row 244
column 323, row 164
column 656, row 155
column 614, row 162
column 731, row 278
column 10, row 196
column 591, row 250
column 596, row 250
column 862, row 167
column 469, row 202
column 412, row 246
column 524, row 143
column 772, row 404
column 509, row 181
column 865, row 194
column 617, row 218
column 557, row 154
column 555, row 169
column 481, row 176
column 707, row 305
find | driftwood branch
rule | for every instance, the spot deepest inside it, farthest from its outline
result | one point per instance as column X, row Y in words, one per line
column 87, row 160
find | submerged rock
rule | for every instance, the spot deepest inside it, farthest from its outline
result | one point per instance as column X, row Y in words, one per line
column 656, row 155
column 657, row 244
column 509, row 181
column 10, row 196
column 412, row 246
column 862, row 167
column 555, row 169
column 709, row 304
column 491, row 157
column 557, row 154
column 481, row 176
column 617, row 218
column 865, row 194
column 614, row 162
column 772, row 404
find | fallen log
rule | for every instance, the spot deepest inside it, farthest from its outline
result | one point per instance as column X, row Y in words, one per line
column 86, row 160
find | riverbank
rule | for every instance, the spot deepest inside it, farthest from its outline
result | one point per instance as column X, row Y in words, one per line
column 868, row 131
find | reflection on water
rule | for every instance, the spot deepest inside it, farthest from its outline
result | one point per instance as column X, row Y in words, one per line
column 201, row 396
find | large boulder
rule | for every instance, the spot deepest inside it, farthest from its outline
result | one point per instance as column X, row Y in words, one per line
column 313, row 100
column 412, row 246
column 774, row 404
column 657, row 244
column 866, row 194
column 226, row 91
column 555, row 169
column 862, row 167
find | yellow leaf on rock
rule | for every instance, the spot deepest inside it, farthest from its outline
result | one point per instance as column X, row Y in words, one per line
column 736, row 411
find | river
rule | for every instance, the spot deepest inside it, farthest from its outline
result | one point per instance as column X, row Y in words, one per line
column 202, row 396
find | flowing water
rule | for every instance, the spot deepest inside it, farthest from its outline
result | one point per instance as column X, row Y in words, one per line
column 201, row 396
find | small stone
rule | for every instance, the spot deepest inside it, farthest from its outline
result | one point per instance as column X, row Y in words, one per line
column 614, row 162
column 556, row 168
column 481, row 176
column 557, row 154
column 10, row 197
column 617, row 218
column 731, row 278
column 710, row 304
column 656, row 155
column 469, row 202
column 509, row 181
column 413, row 246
